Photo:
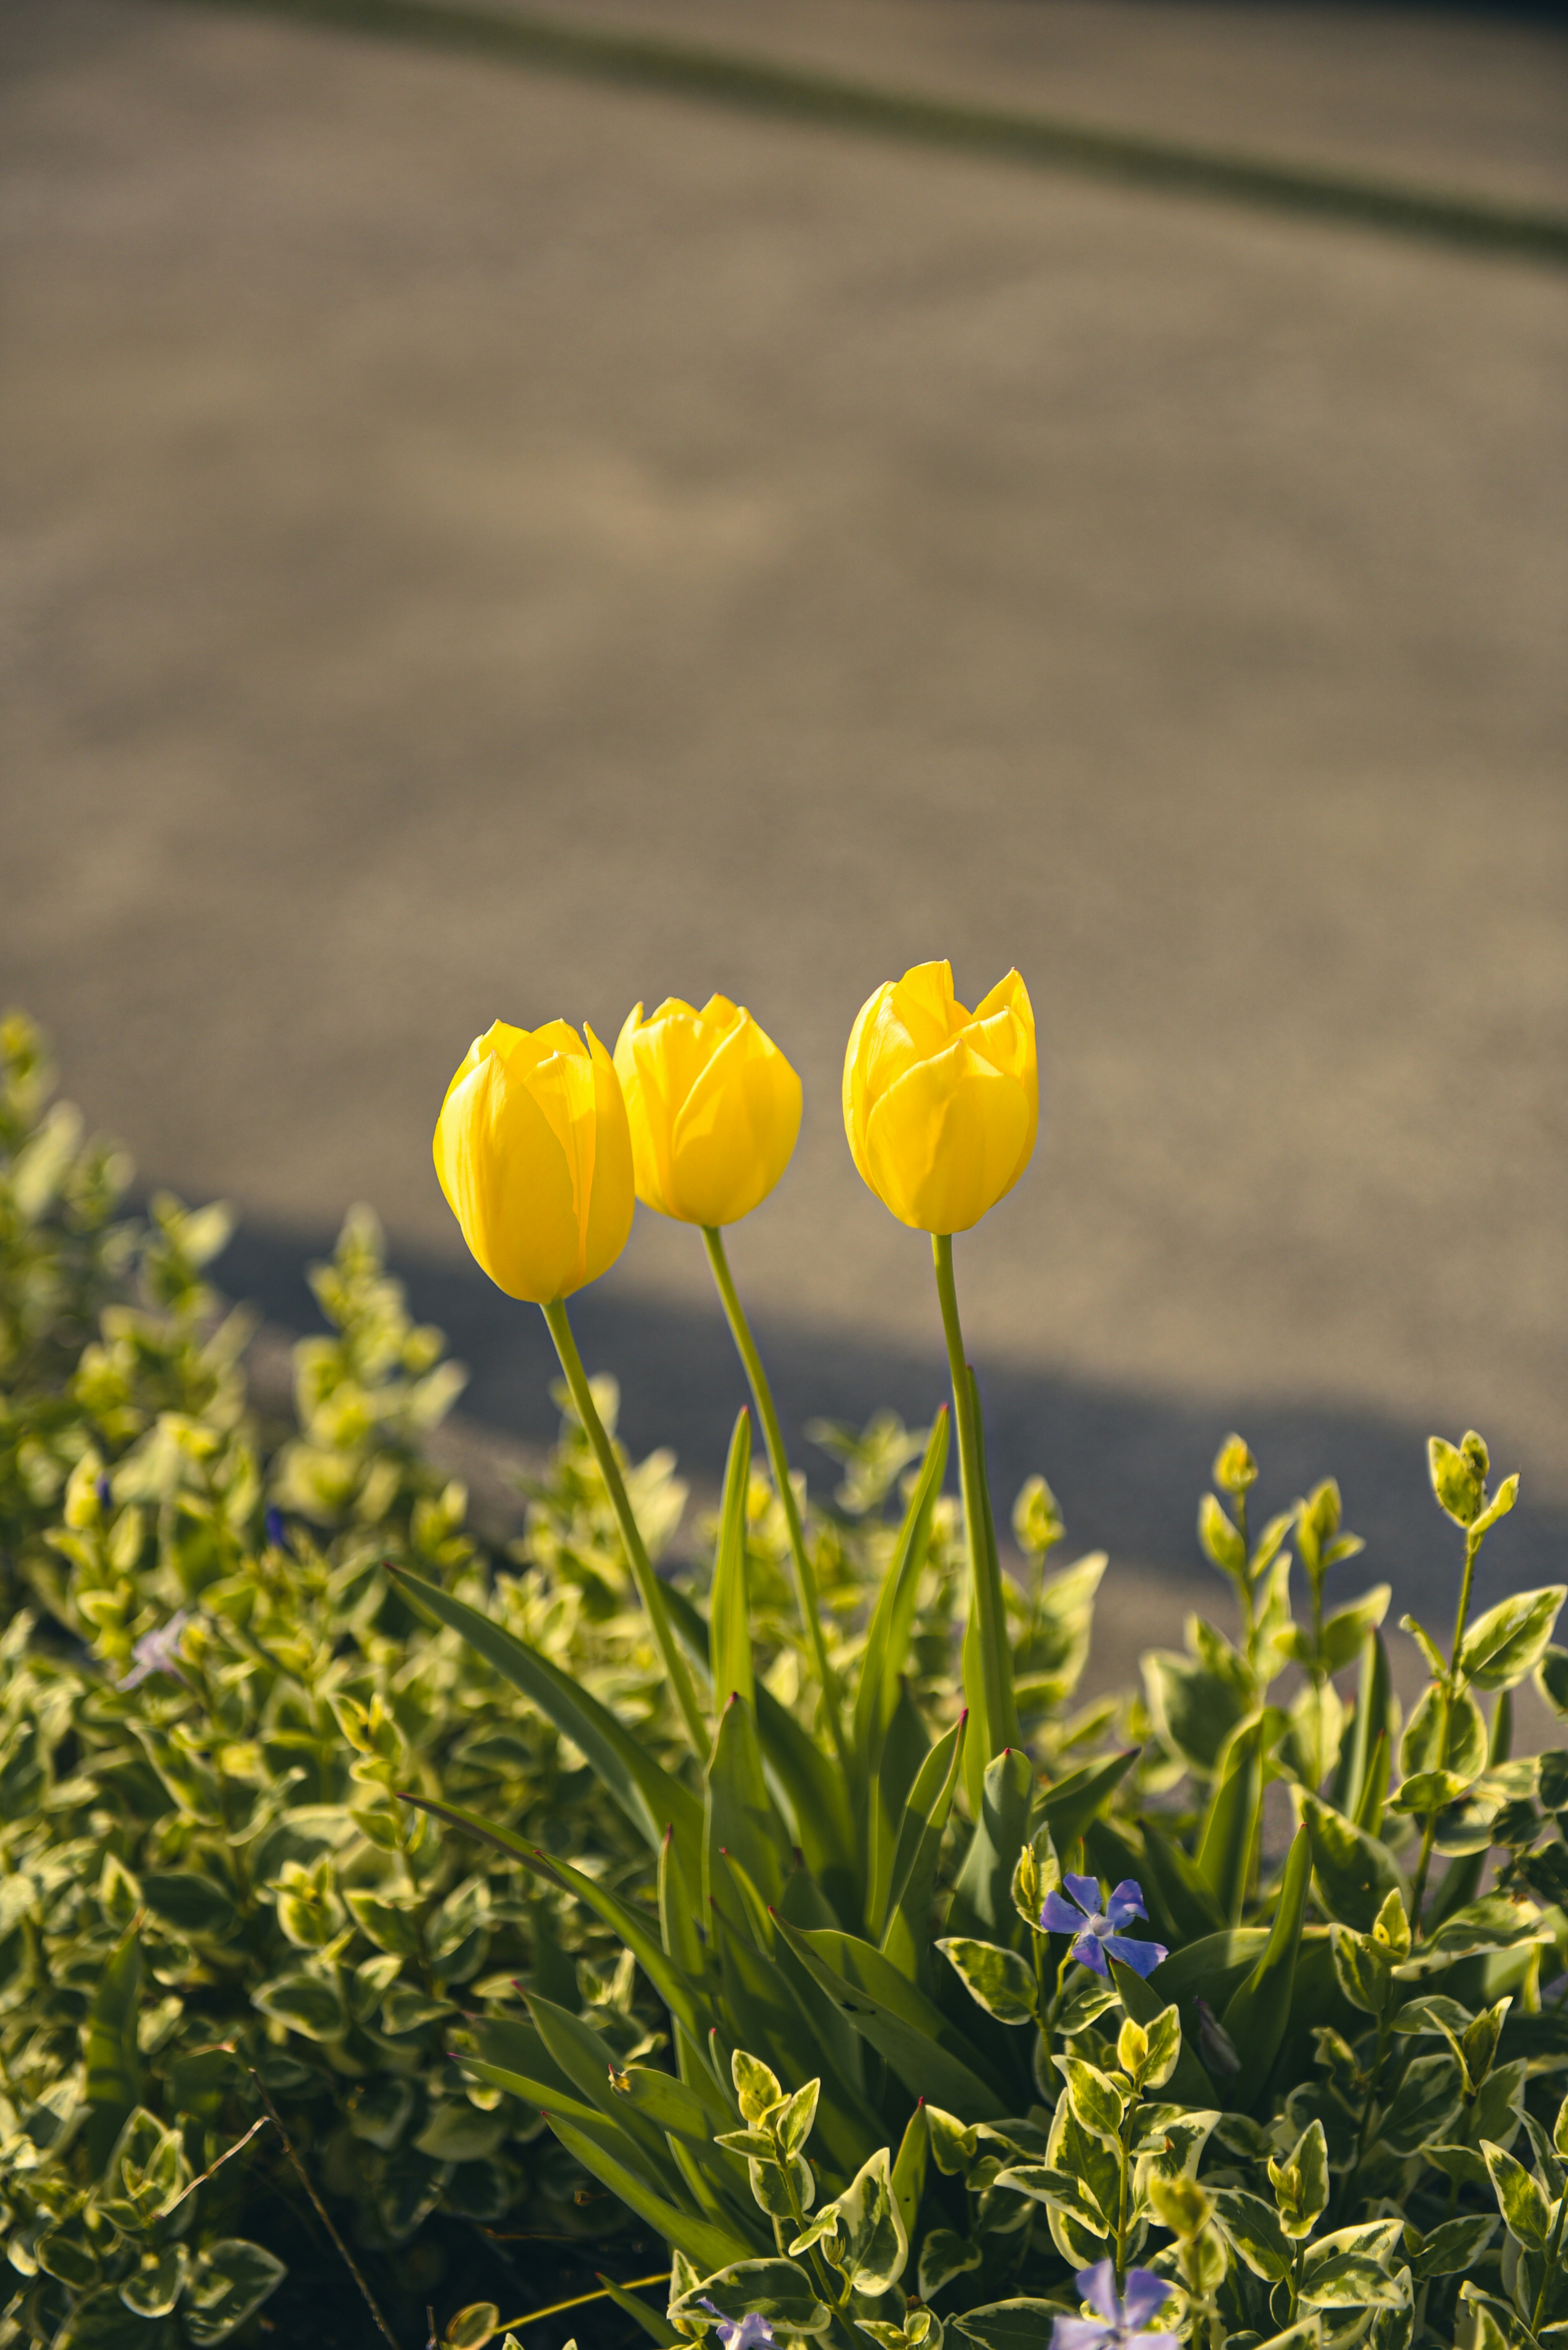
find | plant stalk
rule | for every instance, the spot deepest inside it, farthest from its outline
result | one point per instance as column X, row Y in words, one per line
column 778, row 1462
column 1000, row 1726
column 641, row 1565
column 1450, row 1690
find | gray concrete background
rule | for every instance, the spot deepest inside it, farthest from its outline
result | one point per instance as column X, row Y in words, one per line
column 482, row 542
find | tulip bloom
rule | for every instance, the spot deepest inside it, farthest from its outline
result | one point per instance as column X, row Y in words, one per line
column 941, row 1105
column 714, row 1109
column 535, row 1157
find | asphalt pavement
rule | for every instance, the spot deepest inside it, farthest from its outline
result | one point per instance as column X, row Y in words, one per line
column 479, row 541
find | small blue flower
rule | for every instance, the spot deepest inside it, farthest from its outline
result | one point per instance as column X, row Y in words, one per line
column 1122, row 2317
column 156, row 1652
column 753, row 2333
column 1096, row 1932
column 104, row 1490
column 276, row 1531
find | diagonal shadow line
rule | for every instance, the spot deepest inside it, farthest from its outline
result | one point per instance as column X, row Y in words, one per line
column 1128, row 1464
column 765, row 86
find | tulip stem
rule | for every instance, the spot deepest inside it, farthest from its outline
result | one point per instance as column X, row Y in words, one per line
column 778, row 1460
column 649, row 1589
column 1000, row 1722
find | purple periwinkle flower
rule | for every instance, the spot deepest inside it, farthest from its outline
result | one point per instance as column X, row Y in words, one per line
column 1097, row 1932
column 1123, row 2316
column 751, row 2332
column 104, row 1490
column 155, row 1652
column 276, row 1531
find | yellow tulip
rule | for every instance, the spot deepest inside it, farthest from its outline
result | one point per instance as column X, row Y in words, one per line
column 714, row 1109
column 941, row 1105
column 535, row 1157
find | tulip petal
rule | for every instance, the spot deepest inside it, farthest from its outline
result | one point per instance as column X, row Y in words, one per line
column 605, row 1216
column 507, row 1179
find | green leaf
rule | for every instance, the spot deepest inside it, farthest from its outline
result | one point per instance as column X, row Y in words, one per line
column 1210, row 1969
column 1363, row 1971
column 1254, row 2228
column 711, row 2245
column 892, row 1620
column 904, row 1749
column 870, row 2244
column 1502, row 1501
column 1345, row 1634
column 1437, row 1663
column 983, row 1904
column 1255, row 2017
column 1067, row 1807
column 1364, row 1756
column 927, row 2053
column 1453, row 2248
column 654, row 2324
column 1425, row 2103
column 741, row 1821
column 1438, row 1737
column 228, row 2281
column 945, row 2254
column 666, row 2101
column 1552, row 1680
column 1063, row 2190
column 102, row 2321
column 1300, row 2182
column 1097, row 2102
column 729, row 1614
column 779, row 2290
column 997, row 1980
column 152, row 2291
column 1183, row 1893
column 310, row 2003
column 1355, row 1874
column 1230, row 1830
column 1505, row 1645
column 907, row 1938
column 1521, row 2198
column 1195, row 1708
column 909, row 2167
column 1222, row 1545
column 1352, row 2267
column 113, row 2063
column 1427, row 1790
column 651, row 1799
column 190, row 1903
column 1460, row 1490
column 1017, row 2324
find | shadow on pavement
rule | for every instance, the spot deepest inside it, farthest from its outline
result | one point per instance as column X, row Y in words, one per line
column 1126, row 1466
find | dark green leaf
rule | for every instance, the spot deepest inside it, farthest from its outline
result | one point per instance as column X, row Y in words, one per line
column 1230, row 1828
column 1503, row 1646
column 1256, row 2015
column 907, row 1938
column 228, row 2280
column 1453, row 2248
column 887, row 1635
column 1355, row 1874
column 1067, row 1807
column 190, row 1903
column 712, row 2246
column 983, row 1902
column 729, row 1616
column 929, row 2056
column 1011, row 2325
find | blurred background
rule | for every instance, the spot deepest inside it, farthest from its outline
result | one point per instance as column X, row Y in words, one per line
column 484, row 537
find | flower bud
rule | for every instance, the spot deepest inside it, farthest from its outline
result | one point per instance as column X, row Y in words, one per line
column 713, row 1105
column 535, row 1157
column 941, row 1105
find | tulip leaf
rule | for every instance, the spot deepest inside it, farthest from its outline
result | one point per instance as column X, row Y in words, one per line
column 741, row 1821
column 907, row 1938
column 580, row 2055
column 1182, row 1890
column 892, row 1619
column 1256, row 2015
column 711, row 2244
column 981, row 1905
column 904, row 1750
column 1230, row 1830
column 729, row 1619
column 1210, row 1969
column 113, row 2063
column 928, row 2054
column 1067, row 1807
column 813, row 1787
column 650, row 1797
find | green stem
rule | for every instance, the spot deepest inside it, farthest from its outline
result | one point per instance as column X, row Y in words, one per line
column 778, row 1460
column 648, row 1584
column 1385, row 2023
column 1553, row 2254
column 1124, row 2142
column 1450, row 1691
column 1000, row 1726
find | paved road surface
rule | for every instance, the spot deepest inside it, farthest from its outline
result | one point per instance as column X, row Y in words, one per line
column 478, row 543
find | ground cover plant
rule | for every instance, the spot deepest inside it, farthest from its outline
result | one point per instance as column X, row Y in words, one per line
column 776, row 1922
column 1192, row 2042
